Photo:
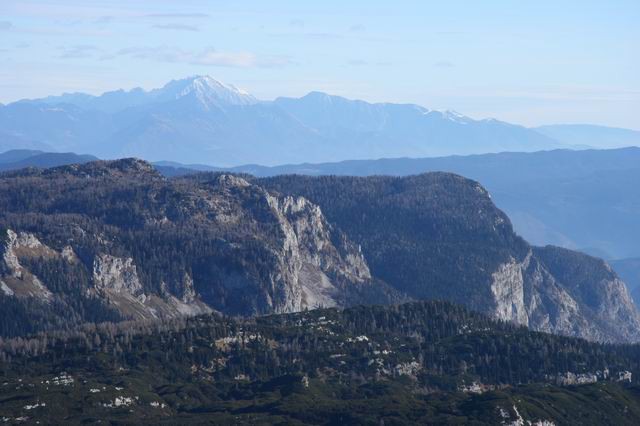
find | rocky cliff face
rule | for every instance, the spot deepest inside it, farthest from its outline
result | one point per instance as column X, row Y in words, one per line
column 140, row 246
column 114, row 281
column 602, row 297
column 311, row 269
column 439, row 236
column 535, row 293
column 311, row 264
column 17, row 280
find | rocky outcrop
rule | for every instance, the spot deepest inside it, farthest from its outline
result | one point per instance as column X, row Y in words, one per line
column 539, row 295
column 115, row 281
column 527, row 293
column 604, row 309
column 116, row 275
column 311, row 269
column 17, row 280
column 312, row 264
column 508, row 289
column 540, row 292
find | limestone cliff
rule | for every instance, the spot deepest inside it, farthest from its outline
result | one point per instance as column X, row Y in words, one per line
column 532, row 293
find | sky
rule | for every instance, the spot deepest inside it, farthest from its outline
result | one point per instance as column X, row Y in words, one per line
column 526, row 62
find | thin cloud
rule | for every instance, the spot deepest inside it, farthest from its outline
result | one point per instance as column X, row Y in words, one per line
column 51, row 31
column 163, row 54
column 68, row 22
column 353, row 35
column 104, row 20
column 176, row 15
column 324, row 35
column 310, row 35
column 209, row 57
column 80, row 51
column 177, row 27
column 5, row 25
column 239, row 59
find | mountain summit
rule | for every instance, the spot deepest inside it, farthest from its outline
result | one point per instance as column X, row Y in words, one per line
column 207, row 90
column 203, row 88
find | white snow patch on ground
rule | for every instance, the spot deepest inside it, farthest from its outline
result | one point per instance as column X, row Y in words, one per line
column 36, row 405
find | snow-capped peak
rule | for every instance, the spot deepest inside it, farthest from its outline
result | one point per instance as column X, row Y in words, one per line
column 451, row 115
column 456, row 117
column 208, row 91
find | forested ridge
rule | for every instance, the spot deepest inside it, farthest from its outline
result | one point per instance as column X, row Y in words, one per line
column 420, row 353
column 115, row 240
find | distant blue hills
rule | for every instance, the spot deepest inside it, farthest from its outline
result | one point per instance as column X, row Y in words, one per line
column 21, row 158
column 201, row 120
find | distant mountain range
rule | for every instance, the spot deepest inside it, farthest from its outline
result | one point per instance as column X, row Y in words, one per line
column 591, row 136
column 21, row 158
column 201, row 120
column 9, row 141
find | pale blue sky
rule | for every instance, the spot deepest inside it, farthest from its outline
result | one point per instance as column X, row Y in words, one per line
column 528, row 62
